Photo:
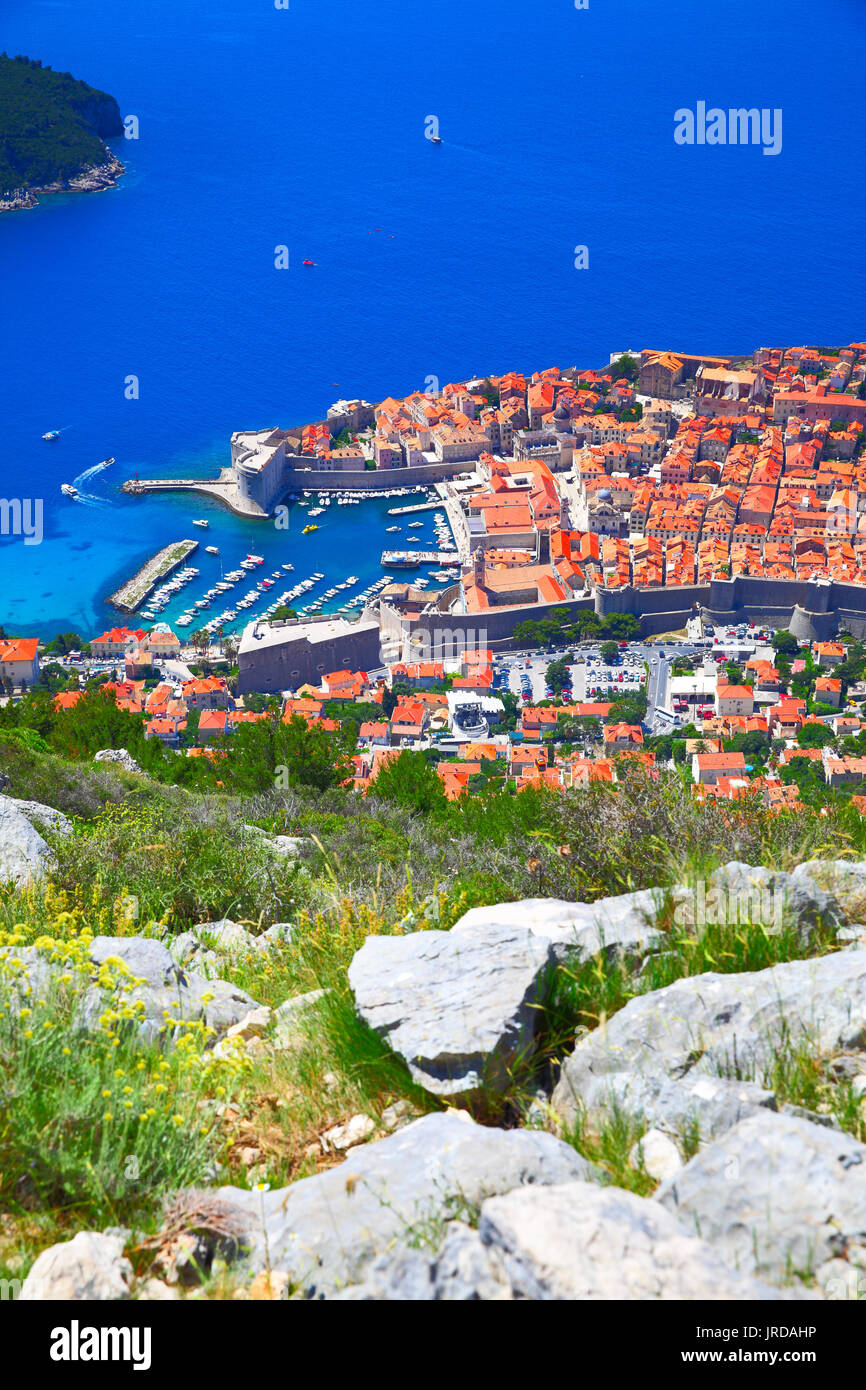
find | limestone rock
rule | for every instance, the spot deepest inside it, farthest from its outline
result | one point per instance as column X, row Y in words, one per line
column 576, row 1241
column 43, row 817
column 696, row 1029
column 658, row 1154
column 91, row 1266
column 324, row 1231
column 578, row 930
column 354, row 1131
column 166, row 986
column 777, row 1196
column 765, row 895
column 845, row 879
column 458, row 1006
column 120, row 756
column 24, row 855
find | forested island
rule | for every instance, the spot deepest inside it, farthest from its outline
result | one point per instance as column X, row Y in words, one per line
column 52, row 129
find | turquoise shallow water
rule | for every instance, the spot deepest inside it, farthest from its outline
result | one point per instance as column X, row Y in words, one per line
column 305, row 127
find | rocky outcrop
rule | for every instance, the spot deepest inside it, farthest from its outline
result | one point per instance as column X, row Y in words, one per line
column 577, row 931
column 24, row 854
column 325, row 1231
column 94, row 179
column 120, row 756
column 570, row 1242
column 668, row 1051
column 460, row 1007
column 89, row 1267
column 778, row 1197
column 162, row 986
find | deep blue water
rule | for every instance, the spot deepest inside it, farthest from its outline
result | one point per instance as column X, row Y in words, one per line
column 304, row 127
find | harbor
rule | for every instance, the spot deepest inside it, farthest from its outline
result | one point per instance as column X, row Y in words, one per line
column 133, row 593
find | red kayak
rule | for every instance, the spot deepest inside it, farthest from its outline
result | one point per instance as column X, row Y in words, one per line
column 309, row 262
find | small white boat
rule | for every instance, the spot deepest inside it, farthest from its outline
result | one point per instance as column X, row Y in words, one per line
column 201, row 522
column 68, row 490
column 212, row 549
column 51, row 434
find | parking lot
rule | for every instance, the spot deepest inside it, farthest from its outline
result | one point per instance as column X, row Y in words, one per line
column 524, row 674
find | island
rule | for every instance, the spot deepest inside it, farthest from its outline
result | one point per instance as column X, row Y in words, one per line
column 52, row 133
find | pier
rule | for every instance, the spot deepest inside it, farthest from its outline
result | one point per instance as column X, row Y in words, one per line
column 133, row 593
column 406, row 559
column 437, row 506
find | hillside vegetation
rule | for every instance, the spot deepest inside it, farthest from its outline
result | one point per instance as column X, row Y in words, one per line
column 52, row 125
column 108, row 1125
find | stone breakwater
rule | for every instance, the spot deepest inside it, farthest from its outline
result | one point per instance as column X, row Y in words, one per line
column 133, row 593
column 753, row 1197
column 94, row 179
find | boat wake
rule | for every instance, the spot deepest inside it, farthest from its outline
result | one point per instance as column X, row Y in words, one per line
column 89, row 499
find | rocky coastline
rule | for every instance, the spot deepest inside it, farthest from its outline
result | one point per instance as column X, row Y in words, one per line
column 94, row 178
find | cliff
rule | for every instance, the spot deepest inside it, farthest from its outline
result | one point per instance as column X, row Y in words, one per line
column 52, row 133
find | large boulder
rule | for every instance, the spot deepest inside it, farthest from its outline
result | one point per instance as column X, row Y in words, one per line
column 326, row 1230
column 777, row 1196
column 751, row 893
column 844, row 879
column 44, row 817
column 700, row 1028
column 460, row 1007
column 167, row 987
column 91, row 1266
column 578, row 930
column 579, row 1241
column 24, row 855
column 564, row 1242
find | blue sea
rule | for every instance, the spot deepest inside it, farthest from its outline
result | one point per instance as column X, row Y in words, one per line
column 304, row 127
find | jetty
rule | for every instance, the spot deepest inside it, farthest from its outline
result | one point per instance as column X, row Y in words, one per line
column 133, row 593
column 405, row 559
column 437, row 506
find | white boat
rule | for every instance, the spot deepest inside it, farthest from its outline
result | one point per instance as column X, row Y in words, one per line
column 68, row 490
column 212, row 549
column 106, row 463
column 199, row 521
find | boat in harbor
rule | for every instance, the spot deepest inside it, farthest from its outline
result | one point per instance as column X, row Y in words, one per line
column 212, row 549
column 68, row 490
column 201, row 522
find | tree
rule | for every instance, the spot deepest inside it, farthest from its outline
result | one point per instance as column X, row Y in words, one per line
column 409, row 781
column 815, row 736
column 625, row 366
column 557, row 675
column 609, row 651
column 270, row 754
column 63, row 644
column 625, row 627
column 785, row 642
